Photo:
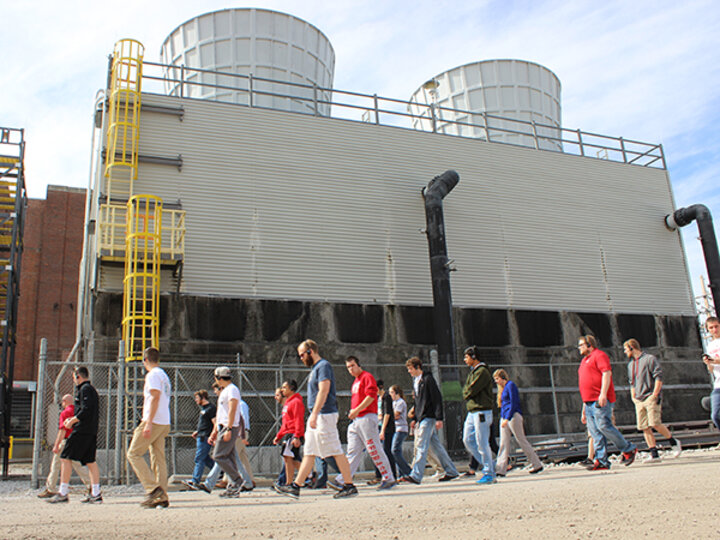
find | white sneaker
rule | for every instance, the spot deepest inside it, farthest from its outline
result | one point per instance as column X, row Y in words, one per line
column 676, row 448
column 651, row 459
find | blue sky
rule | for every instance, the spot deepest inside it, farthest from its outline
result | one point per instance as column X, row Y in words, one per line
column 644, row 70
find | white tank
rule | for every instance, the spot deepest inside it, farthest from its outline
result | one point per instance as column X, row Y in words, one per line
column 259, row 42
column 513, row 89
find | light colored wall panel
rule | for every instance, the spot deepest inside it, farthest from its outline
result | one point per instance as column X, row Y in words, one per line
column 288, row 206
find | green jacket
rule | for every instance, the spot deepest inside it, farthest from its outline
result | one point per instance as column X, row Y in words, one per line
column 477, row 391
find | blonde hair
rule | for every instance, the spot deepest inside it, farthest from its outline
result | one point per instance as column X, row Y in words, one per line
column 500, row 374
column 633, row 344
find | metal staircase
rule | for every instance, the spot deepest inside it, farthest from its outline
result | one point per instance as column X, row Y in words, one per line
column 13, row 201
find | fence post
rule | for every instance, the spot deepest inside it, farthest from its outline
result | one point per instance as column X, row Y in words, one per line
column 580, row 143
column 182, row 81
column 554, row 396
column 39, row 414
column 622, row 147
column 119, row 413
column 377, row 110
column 433, row 122
column 435, row 367
column 250, row 90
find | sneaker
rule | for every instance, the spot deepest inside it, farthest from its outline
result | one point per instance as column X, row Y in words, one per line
column 597, row 466
column 245, row 488
column 348, row 490
column 202, row 486
column 189, row 484
column 334, row 484
column 293, row 490
column 629, row 457
column 387, row 484
column 676, row 449
column 230, row 492
column 57, row 498
column 438, row 475
column 447, row 478
column 162, row 503
column 651, row 459
column 155, row 494
column 408, row 479
column 586, row 462
column 374, row 481
column 92, row 499
column 500, row 474
column 468, row 473
column 486, row 479
column 46, row 494
column 535, row 471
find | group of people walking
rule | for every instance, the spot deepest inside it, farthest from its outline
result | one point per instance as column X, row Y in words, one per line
column 379, row 424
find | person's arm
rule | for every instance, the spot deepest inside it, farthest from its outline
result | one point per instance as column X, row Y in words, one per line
column 232, row 411
column 364, row 404
column 436, row 397
column 154, row 403
column 298, row 429
column 58, row 440
column 656, row 390
column 386, row 421
column 583, row 417
column 604, row 387
column 323, row 392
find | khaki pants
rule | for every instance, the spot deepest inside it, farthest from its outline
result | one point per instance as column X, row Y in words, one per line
column 82, row 472
column 155, row 475
column 242, row 453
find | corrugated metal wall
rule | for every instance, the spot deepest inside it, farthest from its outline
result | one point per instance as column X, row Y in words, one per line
column 287, row 206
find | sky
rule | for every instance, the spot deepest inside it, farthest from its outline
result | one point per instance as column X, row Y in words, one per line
column 643, row 70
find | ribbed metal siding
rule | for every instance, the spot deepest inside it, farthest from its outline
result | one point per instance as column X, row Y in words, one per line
column 289, row 206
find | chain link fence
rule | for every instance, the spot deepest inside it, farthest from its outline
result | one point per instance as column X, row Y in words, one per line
column 548, row 387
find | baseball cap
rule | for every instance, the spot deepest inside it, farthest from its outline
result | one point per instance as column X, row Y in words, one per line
column 223, row 371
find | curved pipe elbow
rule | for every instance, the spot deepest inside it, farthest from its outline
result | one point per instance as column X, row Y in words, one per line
column 685, row 216
column 440, row 186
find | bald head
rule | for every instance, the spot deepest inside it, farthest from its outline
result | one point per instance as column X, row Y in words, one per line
column 66, row 400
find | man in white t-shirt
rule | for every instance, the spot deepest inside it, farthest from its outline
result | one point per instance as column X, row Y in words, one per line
column 712, row 361
column 151, row 432
column 228, row 426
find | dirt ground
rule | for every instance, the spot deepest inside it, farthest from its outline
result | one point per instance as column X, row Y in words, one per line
column 671, row 499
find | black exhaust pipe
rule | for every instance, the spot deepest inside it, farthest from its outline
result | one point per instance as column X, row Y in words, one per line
column 701, row 214
column 434, row 193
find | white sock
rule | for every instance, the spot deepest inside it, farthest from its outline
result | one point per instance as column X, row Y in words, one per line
column 95, row 490
column 64, row 489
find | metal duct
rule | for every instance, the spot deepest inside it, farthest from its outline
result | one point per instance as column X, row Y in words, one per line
column 434, row 193
column 701, row 214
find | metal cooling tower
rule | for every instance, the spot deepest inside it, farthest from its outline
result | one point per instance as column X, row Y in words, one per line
column 512, row 89
column 260, row 43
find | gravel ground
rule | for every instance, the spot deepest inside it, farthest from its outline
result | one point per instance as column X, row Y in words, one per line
column 660, row 500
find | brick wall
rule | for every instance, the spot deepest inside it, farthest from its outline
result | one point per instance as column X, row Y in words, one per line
column 49, row 278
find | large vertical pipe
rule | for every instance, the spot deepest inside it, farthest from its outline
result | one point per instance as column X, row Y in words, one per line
column 434, row 193
column 701, row 214
column 119, row 413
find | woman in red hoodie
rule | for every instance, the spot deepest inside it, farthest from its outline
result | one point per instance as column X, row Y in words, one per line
column 292, row 429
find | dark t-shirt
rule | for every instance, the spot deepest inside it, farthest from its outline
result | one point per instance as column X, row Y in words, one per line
column 205, row 424
column 86, row 409
column 387, row 408
column 322, row 371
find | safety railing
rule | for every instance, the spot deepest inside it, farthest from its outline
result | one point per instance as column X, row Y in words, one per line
column 111, row 234
column 261, row 92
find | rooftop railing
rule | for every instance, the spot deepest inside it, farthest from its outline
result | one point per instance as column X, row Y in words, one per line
column 261, row 92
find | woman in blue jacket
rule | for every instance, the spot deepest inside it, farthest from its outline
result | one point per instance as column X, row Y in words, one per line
column 511, row 422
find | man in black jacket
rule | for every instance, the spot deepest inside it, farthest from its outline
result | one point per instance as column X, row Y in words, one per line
column 82, row 442
column 428, row 418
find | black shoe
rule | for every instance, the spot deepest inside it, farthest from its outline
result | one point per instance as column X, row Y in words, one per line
column 597, row 466
column 409, row 480
column 535, row 471
column 245, row 488
column 586, row 462
column 447, row 478
column 629, row 457
column 469, row 473
column 293, row 490
column 348, row 490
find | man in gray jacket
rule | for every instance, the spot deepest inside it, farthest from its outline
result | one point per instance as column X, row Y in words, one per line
column 645, row 377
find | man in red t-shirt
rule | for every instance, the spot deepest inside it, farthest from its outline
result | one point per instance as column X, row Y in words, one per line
column 363, row 433
column 598, row 395
column 68, row 411
column 292, row 430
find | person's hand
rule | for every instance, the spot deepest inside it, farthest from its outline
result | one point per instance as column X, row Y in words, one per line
column 194, row 434
column 312, row 421
column 146, row 431
column 296, row 442
column 246, row 442
column 504, row 422
column 583, row 418
column 352, row 415
column 602, row 401
column 382, row 435
column 227, row 435
column 211, row 440
column 275, row 441
column 55, row 448
column 438, row 424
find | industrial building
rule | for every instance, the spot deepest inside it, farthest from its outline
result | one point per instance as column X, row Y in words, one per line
column 241, row 204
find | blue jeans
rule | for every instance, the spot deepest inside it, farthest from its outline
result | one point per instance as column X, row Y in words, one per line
column 428, row 437
column 601, row 428
column 396, row 450
column 321, row 468
column 202, row 459
column 715, row 407
column 216, row 471
column 476, row 437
